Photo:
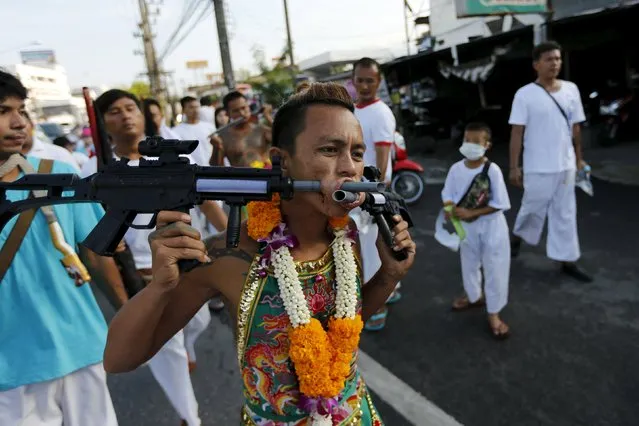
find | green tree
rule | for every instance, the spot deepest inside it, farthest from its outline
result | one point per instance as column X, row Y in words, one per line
column 276, row 82
column 140, row 89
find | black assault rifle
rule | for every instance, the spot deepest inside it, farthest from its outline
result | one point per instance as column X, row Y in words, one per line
column 168, row 182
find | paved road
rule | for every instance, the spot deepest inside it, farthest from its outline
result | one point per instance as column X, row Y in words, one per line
column 571, row 360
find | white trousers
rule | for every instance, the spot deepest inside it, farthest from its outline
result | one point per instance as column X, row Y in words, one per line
column 487, row 247
column 552, row 195
column 368, row 231
column 77, row 399
column 170, row 369
column 194, row 328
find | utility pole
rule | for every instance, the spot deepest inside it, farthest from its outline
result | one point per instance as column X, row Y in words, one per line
column 152, row 67
column 406, row 9
column 290, row 45
column 225, row 52
column 288, row 35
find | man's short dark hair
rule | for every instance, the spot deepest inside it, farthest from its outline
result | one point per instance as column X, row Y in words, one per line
column 478, row 126
column 547, row 46
column 366, row 63
column 290, row 119
column 230, row 97
column 10, row 86
column 206, row 100
column 62, row 141
column 108, row 98
column 187, row 99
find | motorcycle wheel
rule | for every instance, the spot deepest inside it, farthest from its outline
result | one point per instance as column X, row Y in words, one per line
column 608, row 134
column 409, row 185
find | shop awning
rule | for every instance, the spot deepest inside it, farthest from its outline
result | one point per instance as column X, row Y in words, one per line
column 474, row 72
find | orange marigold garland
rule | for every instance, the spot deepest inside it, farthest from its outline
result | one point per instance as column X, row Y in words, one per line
column 339, row 222
column 322, row 359
column 263, row 217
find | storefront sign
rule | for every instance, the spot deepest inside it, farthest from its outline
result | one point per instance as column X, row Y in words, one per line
column 467, row 8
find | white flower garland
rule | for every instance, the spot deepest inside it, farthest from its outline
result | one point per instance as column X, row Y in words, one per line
column 291, row 291
column 293, row 296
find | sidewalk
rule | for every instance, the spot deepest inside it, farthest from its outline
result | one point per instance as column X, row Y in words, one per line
column 617, row 164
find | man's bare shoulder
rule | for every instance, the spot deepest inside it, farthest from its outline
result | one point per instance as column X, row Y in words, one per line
column 229, row 265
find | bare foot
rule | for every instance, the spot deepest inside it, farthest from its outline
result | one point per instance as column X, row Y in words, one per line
column 498, row 328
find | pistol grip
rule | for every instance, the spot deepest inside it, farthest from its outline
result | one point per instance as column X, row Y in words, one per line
column 109, row 231
column 187, row 265
column 233, row 227
column 387, row 235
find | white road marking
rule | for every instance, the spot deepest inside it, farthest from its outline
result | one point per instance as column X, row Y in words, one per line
column 413, row 406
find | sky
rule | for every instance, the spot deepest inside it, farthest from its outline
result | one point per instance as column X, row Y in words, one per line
column 94, row 39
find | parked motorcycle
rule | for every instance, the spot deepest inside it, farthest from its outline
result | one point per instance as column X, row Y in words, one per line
column 616, row 118
column 408, row 180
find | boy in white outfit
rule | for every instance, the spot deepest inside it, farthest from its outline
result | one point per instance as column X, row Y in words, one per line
column 476, row 188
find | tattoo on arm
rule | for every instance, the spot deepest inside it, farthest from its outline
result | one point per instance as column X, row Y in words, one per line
column 216, row 248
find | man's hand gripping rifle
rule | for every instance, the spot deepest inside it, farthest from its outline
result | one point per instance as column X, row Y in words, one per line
column 169, row 182
column 380, row 204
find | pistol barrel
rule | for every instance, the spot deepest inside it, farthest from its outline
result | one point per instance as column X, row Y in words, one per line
column 345, row 197
column 363, row 186
column 306, row 186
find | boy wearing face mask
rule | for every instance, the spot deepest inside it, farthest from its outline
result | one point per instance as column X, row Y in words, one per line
column 476, row 188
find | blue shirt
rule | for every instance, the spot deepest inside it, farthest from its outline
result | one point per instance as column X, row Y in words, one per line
column 48, row 326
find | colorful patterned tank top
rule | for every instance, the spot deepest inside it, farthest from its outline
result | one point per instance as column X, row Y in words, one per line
column 271, row 389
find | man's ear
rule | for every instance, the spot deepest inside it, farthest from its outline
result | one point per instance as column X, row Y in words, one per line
column 283, row 155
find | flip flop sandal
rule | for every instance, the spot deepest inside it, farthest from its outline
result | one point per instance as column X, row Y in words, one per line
column 498, row 335
column 376, row 322
column 394, row 297
column 478, row 304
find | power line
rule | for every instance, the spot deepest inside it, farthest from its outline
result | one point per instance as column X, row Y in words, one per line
column 203, row 14
column 188, row 11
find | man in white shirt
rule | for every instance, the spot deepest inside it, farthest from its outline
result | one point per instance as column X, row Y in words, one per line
column 69, row 145
column 207, row 112
column 378, row 126
column 545, row 119
column 124, row 123
column 46, row 151
column 192, row 128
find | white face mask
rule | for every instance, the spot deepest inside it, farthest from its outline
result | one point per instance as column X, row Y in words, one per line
column 472, row 151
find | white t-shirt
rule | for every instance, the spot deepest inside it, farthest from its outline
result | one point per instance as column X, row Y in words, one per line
column 80, row 158
column 378, row 126
column 548, row 146
column 138, row 239
column 199, row 131
column 47, row 151
column 207, row 114
column 461, row 176
column 167, row 133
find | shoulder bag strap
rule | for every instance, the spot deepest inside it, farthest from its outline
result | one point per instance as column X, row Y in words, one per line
column 12, row 244
column 484, row 173
column 486, row 168
column 556, row 103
